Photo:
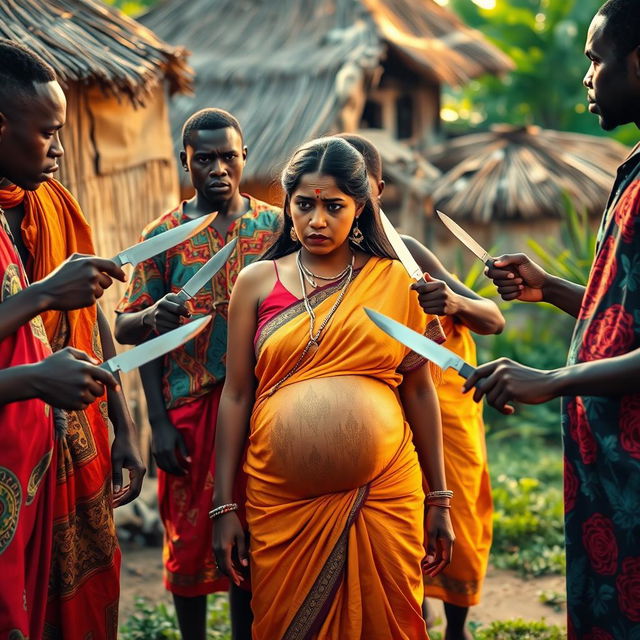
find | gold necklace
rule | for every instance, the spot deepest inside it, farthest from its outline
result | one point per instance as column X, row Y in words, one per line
column 314, row 336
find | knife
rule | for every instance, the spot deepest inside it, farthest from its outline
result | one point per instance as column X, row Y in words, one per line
column 427, row 348
column 404, row 255
column 465, row 238
column 156, row 347
column 163, row 241
column 206, row 271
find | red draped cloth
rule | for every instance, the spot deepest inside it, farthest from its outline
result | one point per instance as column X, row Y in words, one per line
column 26, row 484
column 85, row 572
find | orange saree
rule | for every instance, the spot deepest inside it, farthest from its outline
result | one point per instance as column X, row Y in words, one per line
column 85, row 573
column 335, row 504
column 467, row 472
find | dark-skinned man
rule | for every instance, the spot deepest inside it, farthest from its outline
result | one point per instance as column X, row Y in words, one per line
column 183, row 391
column 32, row 109
column 461, row 311
column 600, row 385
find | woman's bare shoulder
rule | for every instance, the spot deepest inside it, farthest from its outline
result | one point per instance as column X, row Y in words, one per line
column 255, row 278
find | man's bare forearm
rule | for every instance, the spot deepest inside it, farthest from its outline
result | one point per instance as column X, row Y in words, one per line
column 619, row 376
column 16, row 384
column 17, row 310
column 151, row 376
column 563, row 294
column 116, row 403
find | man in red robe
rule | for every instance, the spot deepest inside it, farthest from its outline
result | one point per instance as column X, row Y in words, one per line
column 32, row 381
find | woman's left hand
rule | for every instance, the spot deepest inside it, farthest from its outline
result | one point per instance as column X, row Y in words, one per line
column 439, row 541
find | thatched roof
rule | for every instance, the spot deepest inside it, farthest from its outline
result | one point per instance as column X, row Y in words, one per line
column 86, row 41
column 512, row 173
column 435, row 42
column 287, row 68
column 406, row 167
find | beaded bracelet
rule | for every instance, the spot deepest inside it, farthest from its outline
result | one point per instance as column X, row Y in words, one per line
column 222, row 509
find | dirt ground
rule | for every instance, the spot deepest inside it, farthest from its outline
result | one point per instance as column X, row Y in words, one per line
column 506, row 595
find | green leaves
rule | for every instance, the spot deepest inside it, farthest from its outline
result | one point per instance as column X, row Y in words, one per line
column 159, row 622
column 570, row 257
column 546, row 39
column 520, row 630
column 528, row 524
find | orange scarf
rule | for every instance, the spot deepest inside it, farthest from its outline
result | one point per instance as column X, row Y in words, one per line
column 52, row 229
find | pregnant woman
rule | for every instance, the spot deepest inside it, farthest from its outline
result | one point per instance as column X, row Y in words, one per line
column 341, row 422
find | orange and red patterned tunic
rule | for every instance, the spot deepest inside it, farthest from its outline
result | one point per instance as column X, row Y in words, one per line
column 26, row 482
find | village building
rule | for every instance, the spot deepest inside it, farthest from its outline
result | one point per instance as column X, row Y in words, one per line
column 291, row 71
column 119, row 161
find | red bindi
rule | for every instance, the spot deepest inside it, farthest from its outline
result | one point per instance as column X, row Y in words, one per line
column 318, row 192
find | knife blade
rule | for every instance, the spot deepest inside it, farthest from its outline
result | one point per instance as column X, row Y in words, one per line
column 207, row 271
column 156, row 347
column 464, row 237
column 443, row 357
column 404, row 255
column 166, row 240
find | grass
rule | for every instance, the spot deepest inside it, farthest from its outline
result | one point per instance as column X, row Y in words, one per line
column 528, row 508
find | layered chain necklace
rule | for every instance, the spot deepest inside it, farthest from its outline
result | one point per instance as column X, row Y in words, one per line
column 314, row 336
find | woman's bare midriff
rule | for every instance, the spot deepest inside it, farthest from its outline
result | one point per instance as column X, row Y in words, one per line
column 333, row 434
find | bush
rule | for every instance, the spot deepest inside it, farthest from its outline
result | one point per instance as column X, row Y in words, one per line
column 528, row 533
column 159, row 622
column 520, row 630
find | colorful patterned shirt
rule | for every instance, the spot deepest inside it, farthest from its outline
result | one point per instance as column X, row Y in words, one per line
column 192, row 370
column 602, row 436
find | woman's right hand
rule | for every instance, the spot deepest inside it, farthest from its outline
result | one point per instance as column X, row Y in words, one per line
column 227, row 535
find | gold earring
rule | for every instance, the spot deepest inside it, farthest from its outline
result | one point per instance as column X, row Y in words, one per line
column 356, row 236
column 293, row 235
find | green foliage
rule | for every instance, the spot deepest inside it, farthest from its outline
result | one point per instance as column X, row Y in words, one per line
column 132, row 8
column 528, row 508
column 553, row 599
column 151, row 622
column 570, row 256
column 159, row 622
column 520, row 630
column 538, row 337
column 545, row 39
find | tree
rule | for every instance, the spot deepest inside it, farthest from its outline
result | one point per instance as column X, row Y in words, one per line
column 545, row 39
column 132, row 7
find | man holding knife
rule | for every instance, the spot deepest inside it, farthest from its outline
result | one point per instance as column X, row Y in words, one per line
column 50, row 312
column 600, row 384
column 183, row 392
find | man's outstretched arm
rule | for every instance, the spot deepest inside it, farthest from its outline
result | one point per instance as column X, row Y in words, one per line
column 504, row 380
column 519, row 278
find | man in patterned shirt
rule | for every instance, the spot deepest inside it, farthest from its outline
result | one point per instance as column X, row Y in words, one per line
column 183, row 390
column 601, row 384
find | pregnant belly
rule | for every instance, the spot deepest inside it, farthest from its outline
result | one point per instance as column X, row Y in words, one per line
column 331, row 434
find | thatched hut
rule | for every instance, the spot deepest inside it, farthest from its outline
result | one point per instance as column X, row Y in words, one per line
column 117, row 74
column 293, row 70
column 508, row 183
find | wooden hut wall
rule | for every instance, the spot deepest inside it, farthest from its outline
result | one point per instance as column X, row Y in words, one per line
column 120, row 203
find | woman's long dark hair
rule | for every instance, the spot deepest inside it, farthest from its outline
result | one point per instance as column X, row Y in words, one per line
column 336, row 158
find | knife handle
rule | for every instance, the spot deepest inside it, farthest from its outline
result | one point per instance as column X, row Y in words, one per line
column 184, row 297
column 120, row 261
column 466, row 370
column 509, row 268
